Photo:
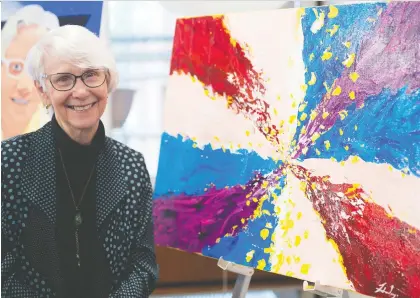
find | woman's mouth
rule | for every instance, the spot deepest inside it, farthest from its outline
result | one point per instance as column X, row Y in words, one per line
column 81, row 108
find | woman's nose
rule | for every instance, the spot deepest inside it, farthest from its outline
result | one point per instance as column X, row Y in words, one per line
column 80, row 89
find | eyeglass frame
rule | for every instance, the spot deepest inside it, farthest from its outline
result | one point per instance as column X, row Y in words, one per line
column 48, row 76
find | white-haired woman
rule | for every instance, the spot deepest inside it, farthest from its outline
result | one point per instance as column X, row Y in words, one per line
column 20, row 103
column 76, row 205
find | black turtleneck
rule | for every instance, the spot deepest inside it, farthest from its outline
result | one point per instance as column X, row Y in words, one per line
column 78, row 160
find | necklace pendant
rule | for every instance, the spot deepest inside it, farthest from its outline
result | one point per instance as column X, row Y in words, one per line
column 78, row 219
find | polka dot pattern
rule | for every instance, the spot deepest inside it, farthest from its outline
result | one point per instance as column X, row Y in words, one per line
column 124, row 208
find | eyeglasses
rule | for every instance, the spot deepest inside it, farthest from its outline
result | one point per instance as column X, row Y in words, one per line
column 14, row 67
column 92, row 78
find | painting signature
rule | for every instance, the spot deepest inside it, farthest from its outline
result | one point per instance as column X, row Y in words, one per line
column 383, row 289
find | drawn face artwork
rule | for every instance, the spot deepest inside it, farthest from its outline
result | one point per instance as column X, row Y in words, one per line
column 19, row 99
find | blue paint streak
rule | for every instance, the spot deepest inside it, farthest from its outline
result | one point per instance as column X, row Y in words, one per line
column 74, row 8
column 388, row 131
column 353, row 26
column 184, row 169
column 234, row 249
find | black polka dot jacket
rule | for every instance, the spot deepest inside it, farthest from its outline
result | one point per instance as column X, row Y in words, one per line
column 28, row 215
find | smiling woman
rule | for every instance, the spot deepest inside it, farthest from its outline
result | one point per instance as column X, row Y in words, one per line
column 76, row 210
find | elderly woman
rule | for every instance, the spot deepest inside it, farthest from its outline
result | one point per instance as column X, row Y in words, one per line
column 76, row 205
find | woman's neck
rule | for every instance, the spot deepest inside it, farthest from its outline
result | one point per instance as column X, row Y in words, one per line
column 81, row 136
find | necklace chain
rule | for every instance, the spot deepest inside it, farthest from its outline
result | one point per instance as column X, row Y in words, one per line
column 68, row 182
column 78, row 217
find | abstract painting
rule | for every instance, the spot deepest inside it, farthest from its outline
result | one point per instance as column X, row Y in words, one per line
column 23, row 24
column 292, row 144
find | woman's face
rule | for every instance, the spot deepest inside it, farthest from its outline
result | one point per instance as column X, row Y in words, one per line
column 80, row 108
column 19, row 99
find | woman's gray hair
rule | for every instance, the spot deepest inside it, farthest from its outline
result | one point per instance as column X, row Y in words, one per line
column 27, row 15
column 75, row 45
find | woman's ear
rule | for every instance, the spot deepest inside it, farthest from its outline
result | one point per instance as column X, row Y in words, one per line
column 41, row 92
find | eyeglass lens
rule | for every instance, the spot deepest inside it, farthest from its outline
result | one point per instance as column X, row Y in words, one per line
column 66, row 81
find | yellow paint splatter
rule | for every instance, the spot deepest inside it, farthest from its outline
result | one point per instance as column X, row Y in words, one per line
column 279, row 263
column 317, row 152
column 355, row 127
column 313, row 114
column 289, row 260
column 325, row 115
column 333, row 12
column 287, row 223
column 261, row 264
column 269, row 250
column 346, row 148
column 247, row 133
column 311, row 57
column 297, row 240
column 312, row 81
column 217, row 139
column 327, row 54
column 341, row 132
column 264, row 233
column 194, row 145
column 315, row 137
column 306, row 234
column 250, row 255
column 354, row 76
column 355, row 159
column 327, row 145
column 269, row 225
column 333, row 30
column 352, row 95
column 337, row 91
column 347, row 44
column 304, row 87
column 326, row 87
column 319, row 22
column 297, row 259
column 290, row 274
column 303, row 116
column 302, row 107
column 349, row 61
column 343, row 114
column 305, row 268
column 278, row 97
column 292, row 119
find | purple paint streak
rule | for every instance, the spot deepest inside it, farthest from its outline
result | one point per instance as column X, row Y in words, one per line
column 387, row 58
column 207, row 217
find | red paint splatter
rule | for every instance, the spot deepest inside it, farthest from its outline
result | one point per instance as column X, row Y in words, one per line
column 204, row 48
column 378, row 250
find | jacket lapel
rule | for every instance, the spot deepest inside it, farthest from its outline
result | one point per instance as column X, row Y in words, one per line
column 38, row 177
column 110, row 187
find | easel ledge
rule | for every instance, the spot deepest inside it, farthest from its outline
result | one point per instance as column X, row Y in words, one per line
column 245, row 273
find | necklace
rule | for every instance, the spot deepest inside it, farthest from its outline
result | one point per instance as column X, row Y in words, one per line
column 78, row 219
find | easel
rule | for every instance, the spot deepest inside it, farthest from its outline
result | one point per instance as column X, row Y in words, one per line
column 321, row 290
column 245, row 273
column 242, row 281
